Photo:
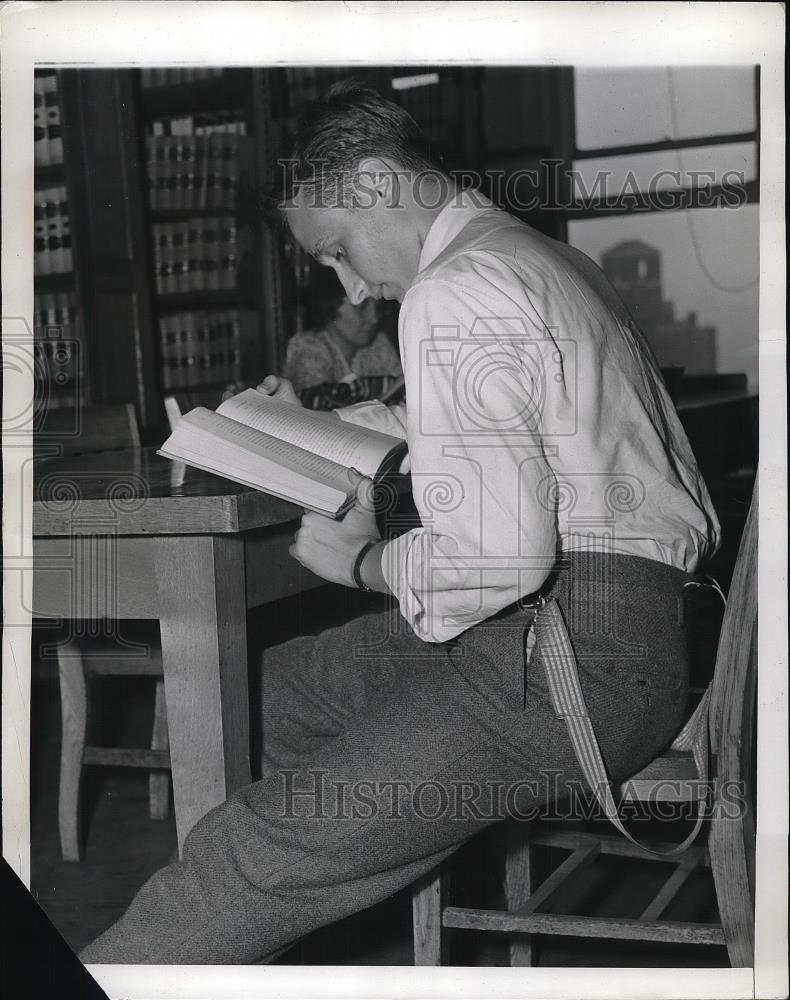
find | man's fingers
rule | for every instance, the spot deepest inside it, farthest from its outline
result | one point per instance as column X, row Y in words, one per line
column 269, row 384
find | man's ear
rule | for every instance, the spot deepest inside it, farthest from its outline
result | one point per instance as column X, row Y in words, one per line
column 378, row 183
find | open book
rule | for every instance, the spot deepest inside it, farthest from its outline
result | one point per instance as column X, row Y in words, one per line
column 280, row 448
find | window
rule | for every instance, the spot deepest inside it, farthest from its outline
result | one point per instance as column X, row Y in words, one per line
column 664, row 195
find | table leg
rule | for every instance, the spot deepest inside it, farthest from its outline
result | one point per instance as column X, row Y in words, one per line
column 201, row 585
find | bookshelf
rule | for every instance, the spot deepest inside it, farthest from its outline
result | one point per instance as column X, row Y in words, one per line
column 198, row 127
column 58, row 319
column 176, row 282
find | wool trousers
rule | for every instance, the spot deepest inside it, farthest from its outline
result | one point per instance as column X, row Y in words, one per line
column 383, row 754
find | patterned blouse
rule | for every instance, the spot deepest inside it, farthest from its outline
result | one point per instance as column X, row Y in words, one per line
column 314, row 358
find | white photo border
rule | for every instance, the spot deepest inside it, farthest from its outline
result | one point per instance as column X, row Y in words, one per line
column 73, row 33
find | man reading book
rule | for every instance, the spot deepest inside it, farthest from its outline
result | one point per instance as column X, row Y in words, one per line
column 547, row 462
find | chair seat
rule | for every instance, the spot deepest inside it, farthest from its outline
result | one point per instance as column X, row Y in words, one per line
column 672, row 777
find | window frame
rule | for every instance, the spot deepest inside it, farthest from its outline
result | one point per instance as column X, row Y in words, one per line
column 689, row 197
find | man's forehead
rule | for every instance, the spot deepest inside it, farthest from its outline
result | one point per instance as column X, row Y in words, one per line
column 311, row 225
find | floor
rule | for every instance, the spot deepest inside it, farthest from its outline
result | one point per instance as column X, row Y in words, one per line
column 124, row 847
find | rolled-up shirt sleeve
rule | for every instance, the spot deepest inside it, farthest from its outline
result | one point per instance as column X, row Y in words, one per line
column 478, row 466
column 376, row 416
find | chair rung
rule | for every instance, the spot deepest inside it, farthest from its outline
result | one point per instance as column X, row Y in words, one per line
column 126, row 757
column 670, row 888
column 562, row 924
column 581, row 857
column 617, row 846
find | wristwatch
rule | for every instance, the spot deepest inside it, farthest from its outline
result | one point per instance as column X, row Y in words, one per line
column 357, row 570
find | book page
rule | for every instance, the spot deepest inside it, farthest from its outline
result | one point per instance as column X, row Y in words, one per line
column 214, row 442
column 322, row 433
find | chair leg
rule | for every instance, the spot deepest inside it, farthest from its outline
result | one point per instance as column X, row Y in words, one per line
column 519, row 864
column 427, row 918
column 727, row 845
column 159, row 781
column 74, row 716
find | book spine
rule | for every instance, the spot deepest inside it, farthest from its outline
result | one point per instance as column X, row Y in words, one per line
column 189, row 327
column 195, row 251
column 157, row 237
column 177, row 132
column 200, row 164
column 180, row 258
column 229, row 255
column 217, row 368
column 173, row 327
column 52, row 110
column 39, row 236
column 166, row 352
column 170, row 172
column 155, row 150
column 188, row 172
column 179, row 350
column 215, row 373
column 56, row 242
column 40, row 144
column 51, row 208
column 169, row 259
column 213, row 160
column 208, row 349
column 211, row 254
column 234, row 348
column 228, row 170
column 65, row 237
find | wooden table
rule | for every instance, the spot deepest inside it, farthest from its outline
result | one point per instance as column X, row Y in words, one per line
column 125, row 535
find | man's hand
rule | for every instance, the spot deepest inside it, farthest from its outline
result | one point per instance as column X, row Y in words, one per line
column 279, row 388
column 329, row 547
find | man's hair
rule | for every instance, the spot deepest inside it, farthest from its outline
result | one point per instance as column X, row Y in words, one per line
column 350, row 122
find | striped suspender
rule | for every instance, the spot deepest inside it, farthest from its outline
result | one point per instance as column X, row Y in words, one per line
column 551, row 635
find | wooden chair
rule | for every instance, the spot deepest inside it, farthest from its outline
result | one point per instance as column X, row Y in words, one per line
column 730, row 842
column 94, row 429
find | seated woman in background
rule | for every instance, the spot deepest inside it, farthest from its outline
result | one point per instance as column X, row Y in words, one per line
column 345, row 357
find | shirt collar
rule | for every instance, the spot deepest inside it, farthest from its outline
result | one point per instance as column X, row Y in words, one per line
column 456, row 214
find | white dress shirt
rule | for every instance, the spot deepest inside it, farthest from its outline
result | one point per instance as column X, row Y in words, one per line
column 537, row 424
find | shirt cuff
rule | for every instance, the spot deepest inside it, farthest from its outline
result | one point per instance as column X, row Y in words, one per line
column 377, row 416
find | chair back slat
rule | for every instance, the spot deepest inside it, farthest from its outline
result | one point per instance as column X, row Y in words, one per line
column 734, row 679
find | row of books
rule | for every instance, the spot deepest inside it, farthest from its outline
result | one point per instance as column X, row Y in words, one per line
column 47, row 137
column 196, row 171
column 52, row 232
column 167, row 76
column 195, row 255
column 228, row 121
column 200, row 348
column 58, row 334
column 57, row 314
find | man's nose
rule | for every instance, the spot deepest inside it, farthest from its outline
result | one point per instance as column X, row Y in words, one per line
column 356, row 287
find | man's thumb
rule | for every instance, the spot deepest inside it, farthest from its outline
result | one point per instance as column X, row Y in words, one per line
column 364, row 488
